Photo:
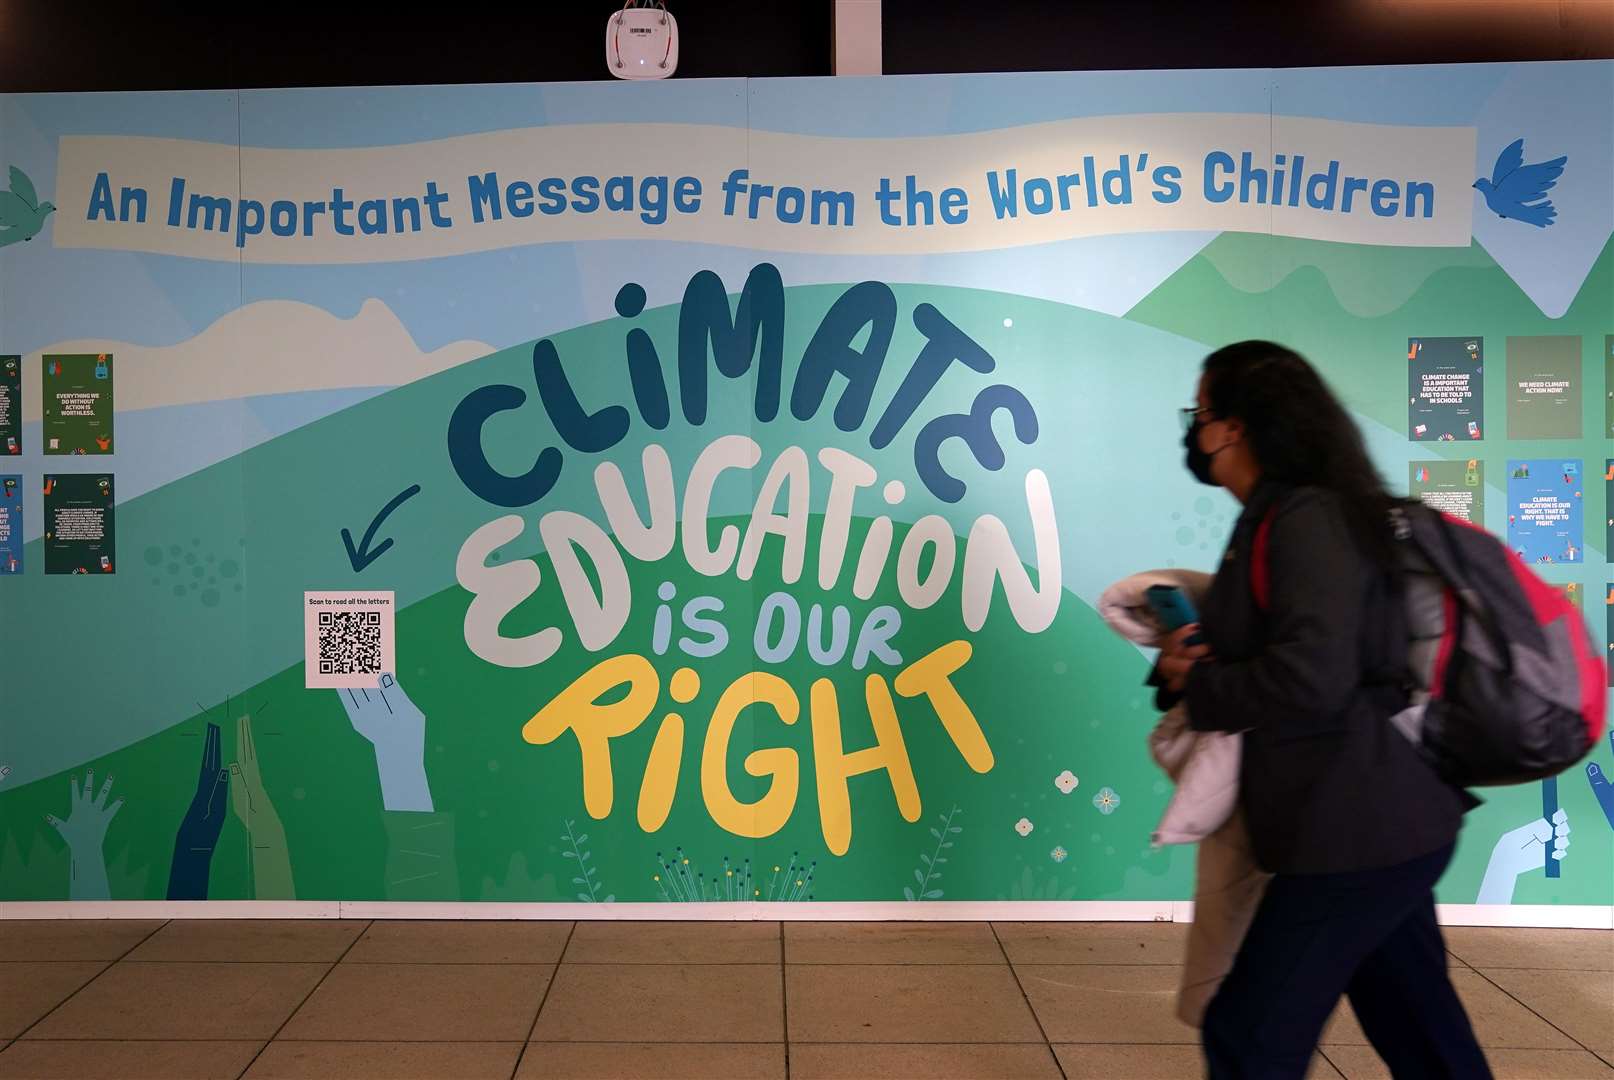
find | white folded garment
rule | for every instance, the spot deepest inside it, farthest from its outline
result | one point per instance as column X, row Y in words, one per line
column 1204, row 764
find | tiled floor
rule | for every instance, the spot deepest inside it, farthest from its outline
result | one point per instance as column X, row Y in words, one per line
column 733, row 1000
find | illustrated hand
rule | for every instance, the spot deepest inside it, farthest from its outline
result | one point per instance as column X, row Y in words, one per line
column 397, row 730
column 1601, row 786
column 84, row 829
column 199, row 829
column 1521, row 851
column 271, row 864
column 1177, row 657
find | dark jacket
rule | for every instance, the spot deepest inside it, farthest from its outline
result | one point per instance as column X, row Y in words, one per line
column 1327, row 784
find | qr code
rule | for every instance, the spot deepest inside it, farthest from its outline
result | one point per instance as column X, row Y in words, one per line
column 349, row 639
column 350, row 643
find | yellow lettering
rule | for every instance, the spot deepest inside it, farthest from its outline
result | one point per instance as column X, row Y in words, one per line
column 835, row 766
column 931, row 676
column 578, row 709
column 661, row 774
column 768, row 814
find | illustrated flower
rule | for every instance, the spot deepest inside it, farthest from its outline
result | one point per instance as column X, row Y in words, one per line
column 1058, row 854
column 1024, row 826
column 1066, row 781
column 1106, row 800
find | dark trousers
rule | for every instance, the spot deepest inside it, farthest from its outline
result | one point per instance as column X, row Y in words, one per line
column 1369, row 934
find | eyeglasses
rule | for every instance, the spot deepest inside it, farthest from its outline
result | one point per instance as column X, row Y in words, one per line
column 1189, row 416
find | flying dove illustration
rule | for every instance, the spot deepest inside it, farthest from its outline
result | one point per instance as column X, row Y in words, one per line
column 22, row 215
column 1519, row 191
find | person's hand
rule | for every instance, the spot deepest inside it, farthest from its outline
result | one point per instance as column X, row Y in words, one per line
column 84, row 829
column 247, row 796
column 1177, row 657
column 396, row 728
column 1521, row 851
column 199, row 829
column 271, row 864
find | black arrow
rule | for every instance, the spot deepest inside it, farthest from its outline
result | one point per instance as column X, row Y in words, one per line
column 362, row 556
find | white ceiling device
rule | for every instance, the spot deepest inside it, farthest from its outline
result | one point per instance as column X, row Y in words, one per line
column 641, row 41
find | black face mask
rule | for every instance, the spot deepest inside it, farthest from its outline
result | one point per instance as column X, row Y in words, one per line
column 1198, row 461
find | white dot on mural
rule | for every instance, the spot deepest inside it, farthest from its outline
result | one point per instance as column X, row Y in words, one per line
column 1008, row 322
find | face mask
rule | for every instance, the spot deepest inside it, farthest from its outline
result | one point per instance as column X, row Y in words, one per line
column 1198, row 461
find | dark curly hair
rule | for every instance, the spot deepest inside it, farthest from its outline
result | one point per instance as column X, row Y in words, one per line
column 1299, row 432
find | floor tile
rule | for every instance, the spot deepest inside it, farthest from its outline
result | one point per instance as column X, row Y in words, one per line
column 1510, row 947
column 1145, row 1061
column 1581, row 1003
column 289, row 1060
column 135, row 1000
column 1094, row 943
column 469, row 942
column 933, row 1061
column 1096, row 1003
column 661, row 1061
column 891, row 943
column 248, row 940
column 1498, row 1020
column 663, row 1003
column 71, row 939
column 29, row 991
column 674, row 943
column 903, row 1003
column 430, row 1002
column 1361, row 1063
column 89, row 1059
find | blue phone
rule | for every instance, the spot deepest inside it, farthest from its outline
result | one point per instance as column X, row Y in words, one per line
column 1173, row 608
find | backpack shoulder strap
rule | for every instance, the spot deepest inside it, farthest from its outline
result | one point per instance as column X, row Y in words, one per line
column 1260, row 570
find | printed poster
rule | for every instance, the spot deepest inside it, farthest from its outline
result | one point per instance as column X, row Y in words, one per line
column 10, row 405
column 1608, row 606
column 1608, row 505
column 11, row 530
column 1545, row 520
column 1608, row 387
column 1452, row 487
column 77, row 408
column 1446, row 387
column 1544, row 387
column 79, row 519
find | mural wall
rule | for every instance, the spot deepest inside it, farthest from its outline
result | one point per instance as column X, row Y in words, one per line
column 701, row 491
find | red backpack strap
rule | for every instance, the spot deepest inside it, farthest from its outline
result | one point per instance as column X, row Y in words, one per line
column 1260, row 570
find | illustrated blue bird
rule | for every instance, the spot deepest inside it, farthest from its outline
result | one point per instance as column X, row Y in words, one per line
column 22, row 215
column 1519, row 191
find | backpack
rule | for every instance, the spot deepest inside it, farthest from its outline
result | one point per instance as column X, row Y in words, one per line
column 1503, row 685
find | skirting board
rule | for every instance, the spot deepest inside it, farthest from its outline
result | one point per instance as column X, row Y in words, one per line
column 1585, row 916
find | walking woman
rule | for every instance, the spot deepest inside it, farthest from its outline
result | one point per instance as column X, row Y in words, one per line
column 1301, row 653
